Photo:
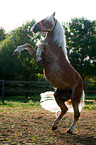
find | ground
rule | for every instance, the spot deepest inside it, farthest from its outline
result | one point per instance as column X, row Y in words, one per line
column 31, row 125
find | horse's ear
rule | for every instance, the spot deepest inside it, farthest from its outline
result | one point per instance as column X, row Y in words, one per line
column 54, row 14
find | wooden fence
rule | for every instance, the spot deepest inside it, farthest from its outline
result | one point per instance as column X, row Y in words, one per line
column 89, row 87
column 23, row 88
column 28, row 88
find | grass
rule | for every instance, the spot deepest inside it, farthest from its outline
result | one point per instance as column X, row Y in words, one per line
column 90, row 105
column 90, row 102
column 20, row 103
column 34, row 101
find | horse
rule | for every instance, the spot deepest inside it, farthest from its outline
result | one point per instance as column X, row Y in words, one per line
column 57, row 68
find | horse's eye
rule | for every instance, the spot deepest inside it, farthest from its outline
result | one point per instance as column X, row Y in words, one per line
column 47, row 21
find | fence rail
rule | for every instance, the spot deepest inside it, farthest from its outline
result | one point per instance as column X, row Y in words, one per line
column 28, row 88
column 23, row 88
column 89, row 87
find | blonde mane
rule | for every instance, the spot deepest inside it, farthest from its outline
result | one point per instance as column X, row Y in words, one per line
column 59, row 36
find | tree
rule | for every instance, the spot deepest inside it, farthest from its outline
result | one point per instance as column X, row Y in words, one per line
column 81, row 45
column 22, row 67
column 2, row 34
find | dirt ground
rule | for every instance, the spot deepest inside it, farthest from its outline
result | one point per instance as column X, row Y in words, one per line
column 33, row 127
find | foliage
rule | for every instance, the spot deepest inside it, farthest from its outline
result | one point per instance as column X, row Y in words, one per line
column 81, row 45
column 22, row 67
column 2, row 34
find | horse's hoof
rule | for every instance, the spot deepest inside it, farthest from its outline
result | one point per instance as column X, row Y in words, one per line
column 69, row 131
column 54, row 128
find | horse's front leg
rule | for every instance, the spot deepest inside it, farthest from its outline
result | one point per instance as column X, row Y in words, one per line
column 40, row 49
column 27, row 46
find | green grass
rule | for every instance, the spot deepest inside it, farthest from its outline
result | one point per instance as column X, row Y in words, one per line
column 90, row 105
column 31, row 104
column 20, row 103
column 34, row 101
column 90, row 102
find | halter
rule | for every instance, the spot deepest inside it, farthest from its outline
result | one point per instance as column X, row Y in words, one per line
column 48, row 30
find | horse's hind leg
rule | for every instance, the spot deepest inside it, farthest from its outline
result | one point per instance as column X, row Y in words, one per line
column 76, row 117
column 60, row 102
column 76, row 97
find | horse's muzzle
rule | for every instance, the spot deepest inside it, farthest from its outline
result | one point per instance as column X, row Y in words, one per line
column 36, row 28
column 38, row 58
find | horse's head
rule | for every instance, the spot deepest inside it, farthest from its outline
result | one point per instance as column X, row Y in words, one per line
column 46, row 25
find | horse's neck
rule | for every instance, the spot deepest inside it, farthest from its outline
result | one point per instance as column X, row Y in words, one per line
column 49, row 37
column 57, row 38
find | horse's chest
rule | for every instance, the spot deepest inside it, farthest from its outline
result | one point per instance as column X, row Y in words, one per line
column 54, row 75
column 51, row 71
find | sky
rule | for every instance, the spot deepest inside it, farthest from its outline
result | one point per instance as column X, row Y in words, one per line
column 14, row 13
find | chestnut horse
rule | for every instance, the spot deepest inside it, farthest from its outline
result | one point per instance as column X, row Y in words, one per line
column 57, row 68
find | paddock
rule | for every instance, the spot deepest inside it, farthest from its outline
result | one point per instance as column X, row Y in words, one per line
column 28, row 123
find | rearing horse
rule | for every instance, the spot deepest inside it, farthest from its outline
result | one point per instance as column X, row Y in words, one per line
column 57, row 69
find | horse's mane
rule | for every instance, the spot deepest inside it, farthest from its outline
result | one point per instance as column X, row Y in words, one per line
column 59, row 36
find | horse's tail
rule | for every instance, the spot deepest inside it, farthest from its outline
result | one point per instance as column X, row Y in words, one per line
column 81, row 105
column 48, row 102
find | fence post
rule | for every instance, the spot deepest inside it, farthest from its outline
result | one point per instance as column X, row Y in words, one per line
column 3, row 91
